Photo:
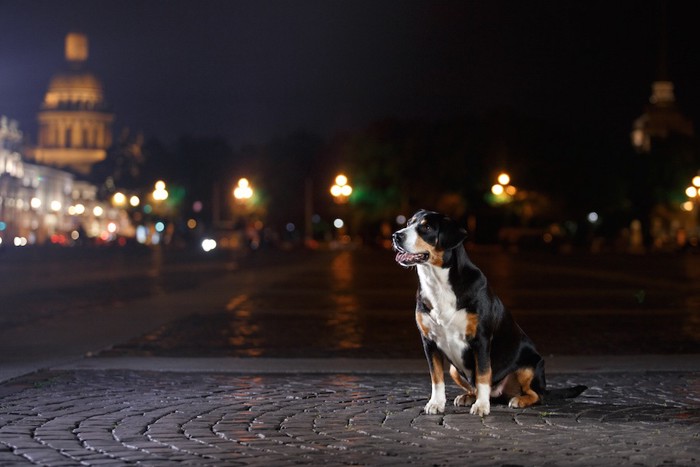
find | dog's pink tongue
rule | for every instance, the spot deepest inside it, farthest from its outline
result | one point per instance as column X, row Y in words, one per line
column 400, row 257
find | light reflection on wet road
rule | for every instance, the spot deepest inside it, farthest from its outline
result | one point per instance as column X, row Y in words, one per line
column 43, row 283
column 354, row 303
column 360, row 304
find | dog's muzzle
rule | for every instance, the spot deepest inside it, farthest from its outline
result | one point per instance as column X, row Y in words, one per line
column 406, row 258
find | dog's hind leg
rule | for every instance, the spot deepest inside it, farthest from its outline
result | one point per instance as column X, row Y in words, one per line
column 527, row 395
column 469, row 395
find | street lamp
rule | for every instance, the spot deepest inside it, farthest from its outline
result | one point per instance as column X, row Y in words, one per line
column 503, row 191
column 693, row 193
column 243, row 190
column 160, row 193
column 341, row 190
column 119, row 199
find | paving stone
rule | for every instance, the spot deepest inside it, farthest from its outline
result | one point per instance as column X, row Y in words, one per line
column 103, row 417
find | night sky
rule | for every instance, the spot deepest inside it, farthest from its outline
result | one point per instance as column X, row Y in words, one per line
column 255, row 70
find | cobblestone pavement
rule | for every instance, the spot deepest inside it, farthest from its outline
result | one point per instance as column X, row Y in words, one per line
column 118, row 417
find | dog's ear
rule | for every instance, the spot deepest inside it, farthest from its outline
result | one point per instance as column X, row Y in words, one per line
column 451, row 234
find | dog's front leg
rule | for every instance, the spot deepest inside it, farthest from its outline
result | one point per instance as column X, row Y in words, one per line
column 436, row 404
column 482, row 405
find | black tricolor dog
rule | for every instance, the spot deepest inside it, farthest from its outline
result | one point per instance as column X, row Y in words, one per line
column 460, row 319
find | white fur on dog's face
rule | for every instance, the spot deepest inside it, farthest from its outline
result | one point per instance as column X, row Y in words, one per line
column 409, row 238
column 411, row 248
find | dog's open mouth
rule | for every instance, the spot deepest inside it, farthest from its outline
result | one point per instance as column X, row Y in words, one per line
column 404, row 258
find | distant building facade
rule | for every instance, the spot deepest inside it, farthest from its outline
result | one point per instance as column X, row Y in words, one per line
column 664, row 140
column 41, row 204
column 75, row 124
column 661, row 119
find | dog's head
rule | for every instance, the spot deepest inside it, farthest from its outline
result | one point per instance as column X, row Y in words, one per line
column 427, row 237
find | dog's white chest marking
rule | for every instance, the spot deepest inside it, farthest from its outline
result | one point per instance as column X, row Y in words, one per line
column 446, row 325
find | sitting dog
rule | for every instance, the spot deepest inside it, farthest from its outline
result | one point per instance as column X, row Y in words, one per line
column 460, row 319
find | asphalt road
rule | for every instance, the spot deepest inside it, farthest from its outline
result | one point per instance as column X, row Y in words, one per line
column 360, row 304
column 59, row 304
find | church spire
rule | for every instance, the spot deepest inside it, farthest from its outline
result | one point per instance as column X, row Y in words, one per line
column 662, row 89
column 76, row 47
column 661, row 117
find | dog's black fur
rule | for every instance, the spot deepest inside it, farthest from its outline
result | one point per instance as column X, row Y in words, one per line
column 495, row 355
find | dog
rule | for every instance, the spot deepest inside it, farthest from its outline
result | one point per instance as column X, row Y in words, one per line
column 460, row 319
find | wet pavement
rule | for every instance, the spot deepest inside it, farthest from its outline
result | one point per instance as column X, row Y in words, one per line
column 47, row 282
column 361, row 304
column 146, row 418
column 309, row 358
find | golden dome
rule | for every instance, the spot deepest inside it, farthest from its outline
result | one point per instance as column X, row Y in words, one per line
column 74, row 90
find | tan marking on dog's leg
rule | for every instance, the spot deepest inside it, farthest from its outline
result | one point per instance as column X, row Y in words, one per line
column 469, row 392
column 437, row 375
column 527, row 397
column 472, row 324
column 482, row 406
column 436, row 404
column 483, row 378
column 460, row 381
column 421, row 326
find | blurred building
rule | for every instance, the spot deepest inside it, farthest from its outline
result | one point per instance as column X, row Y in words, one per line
column 664, row 140
column 41, row 204
column 74, row 120
column 661, row 119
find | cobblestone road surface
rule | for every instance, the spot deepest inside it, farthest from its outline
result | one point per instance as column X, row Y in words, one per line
column 121, row 417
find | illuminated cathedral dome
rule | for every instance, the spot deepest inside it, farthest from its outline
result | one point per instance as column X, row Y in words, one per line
column 74, row 121
column 74, row 90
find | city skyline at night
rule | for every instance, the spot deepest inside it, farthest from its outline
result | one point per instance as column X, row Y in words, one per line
column 252, row 71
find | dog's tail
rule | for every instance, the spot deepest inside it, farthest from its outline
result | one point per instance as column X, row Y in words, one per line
column 564, row 393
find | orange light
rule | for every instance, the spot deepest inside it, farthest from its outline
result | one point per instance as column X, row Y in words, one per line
column 243, row 190
column 341, row 190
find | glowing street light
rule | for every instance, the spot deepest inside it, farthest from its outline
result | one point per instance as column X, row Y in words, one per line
column 243, row 190
column 119, row 199
column 503, row 191
column 160, row 193
column 693, row 193
column 504, row 179
column 341, row 191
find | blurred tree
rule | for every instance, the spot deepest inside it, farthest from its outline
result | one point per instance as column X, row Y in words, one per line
column 122, row 168
column 283, row 167
column 660, row 176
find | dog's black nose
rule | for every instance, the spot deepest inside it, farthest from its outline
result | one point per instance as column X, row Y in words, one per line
column 397, row 236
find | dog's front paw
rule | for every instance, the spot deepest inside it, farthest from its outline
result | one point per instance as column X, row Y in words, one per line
column 463, row 400
column 434, row 407
column 481, row 407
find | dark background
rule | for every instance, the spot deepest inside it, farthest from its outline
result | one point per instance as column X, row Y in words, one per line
column 423, row 103
column 251, row 70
